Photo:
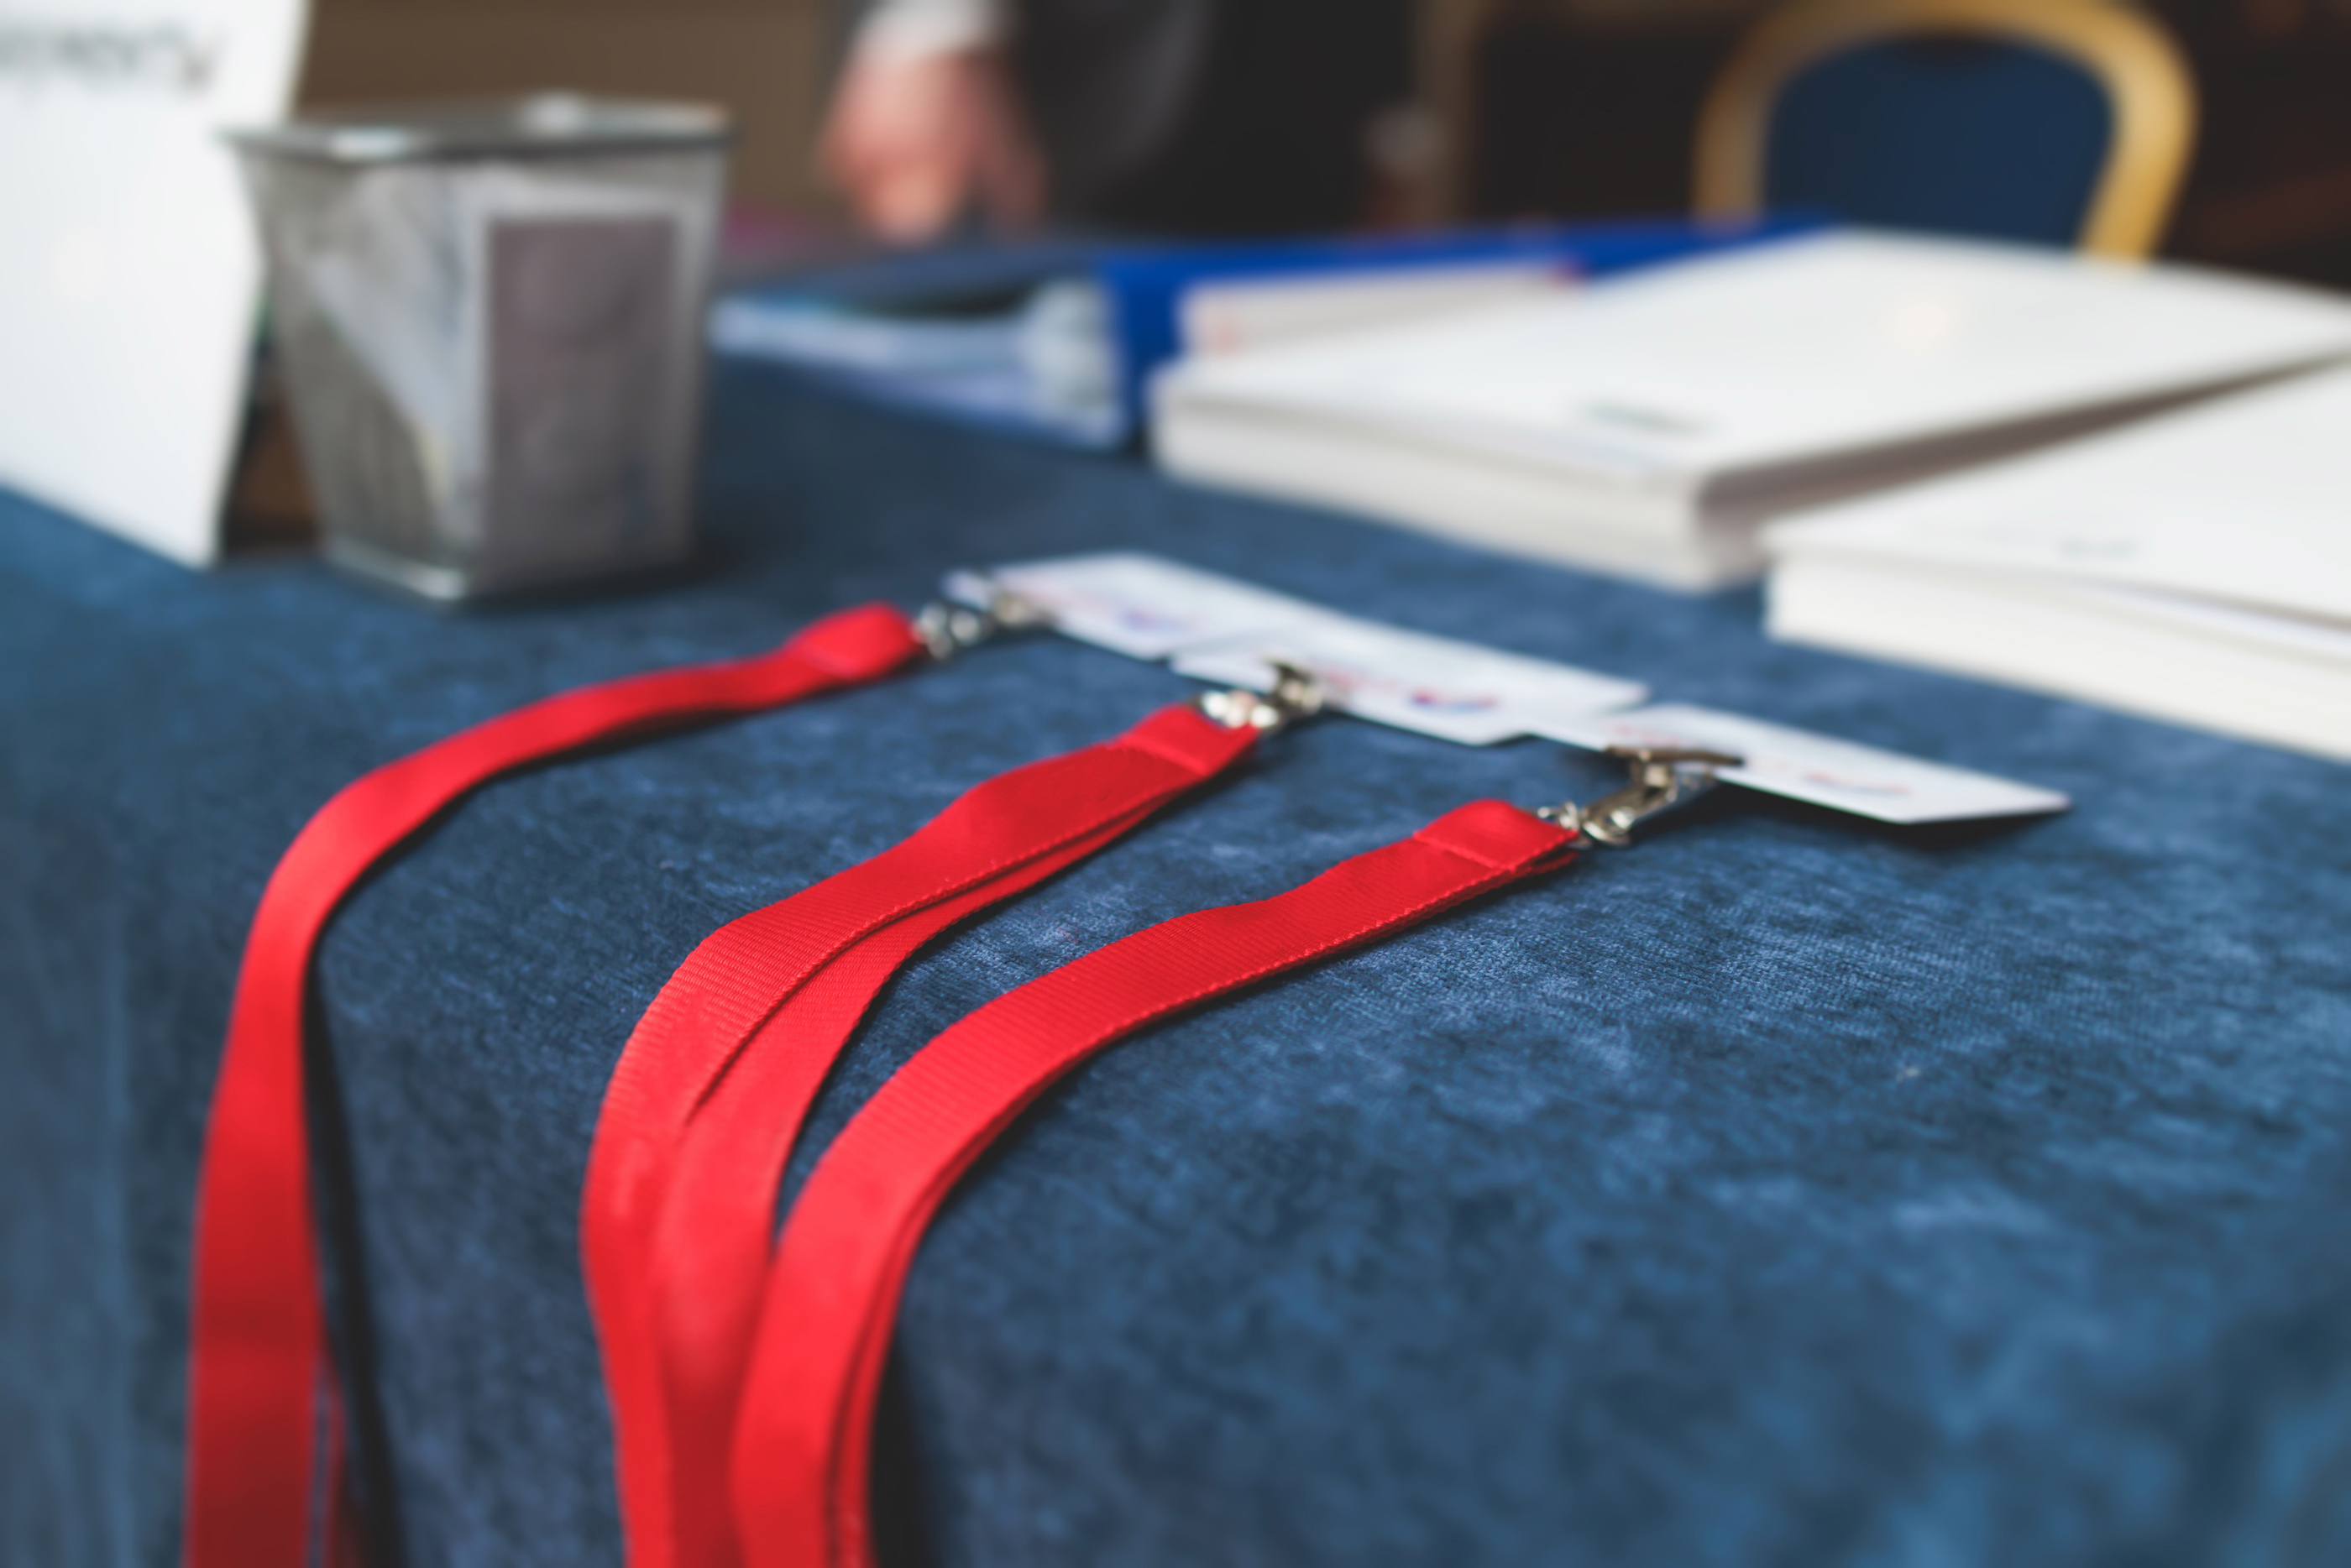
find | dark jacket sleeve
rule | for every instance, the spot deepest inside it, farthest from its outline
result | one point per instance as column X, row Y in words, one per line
column 1109, row 84
column 1202, row 116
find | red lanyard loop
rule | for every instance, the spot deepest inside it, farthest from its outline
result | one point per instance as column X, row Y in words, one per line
column 677, row 1218
column 257, row 1333
column 803, row 1437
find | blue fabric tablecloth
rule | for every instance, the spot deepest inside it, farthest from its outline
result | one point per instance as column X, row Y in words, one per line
column 1784, row 1190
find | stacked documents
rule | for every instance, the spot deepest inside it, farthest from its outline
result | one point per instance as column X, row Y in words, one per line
column 2195, row 568
column 1645, row 426
column 1057, row 342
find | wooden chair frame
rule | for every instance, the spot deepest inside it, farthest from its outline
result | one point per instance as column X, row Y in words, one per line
column 2147, row 85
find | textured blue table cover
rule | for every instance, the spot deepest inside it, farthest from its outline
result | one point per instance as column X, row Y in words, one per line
column 1784, row 1190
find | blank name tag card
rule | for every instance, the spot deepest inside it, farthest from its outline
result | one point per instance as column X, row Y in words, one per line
column 1137, row 605
column 1803, row 766
column 1456, row 692
column 1216, row 629
column 131, row 277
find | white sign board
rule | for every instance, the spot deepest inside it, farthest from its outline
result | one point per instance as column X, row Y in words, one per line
column 130, row 273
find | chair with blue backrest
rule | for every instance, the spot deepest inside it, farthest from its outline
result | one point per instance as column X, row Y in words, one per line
column 2065, row 122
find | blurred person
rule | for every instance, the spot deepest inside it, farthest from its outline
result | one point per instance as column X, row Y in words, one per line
column 1188, row 116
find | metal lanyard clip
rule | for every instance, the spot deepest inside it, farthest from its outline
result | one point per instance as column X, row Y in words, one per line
column 948, row 630
column 1664, row 777
column 1296, row 695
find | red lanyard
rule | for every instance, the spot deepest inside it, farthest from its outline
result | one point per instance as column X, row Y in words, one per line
column 677, row 1220
column 258, row 1374
column 804, row 1430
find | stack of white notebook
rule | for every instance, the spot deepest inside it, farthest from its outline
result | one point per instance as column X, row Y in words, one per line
column 2196, row 568
column 1645, row 426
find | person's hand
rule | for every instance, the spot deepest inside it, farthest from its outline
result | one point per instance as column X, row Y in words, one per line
column 913, row 139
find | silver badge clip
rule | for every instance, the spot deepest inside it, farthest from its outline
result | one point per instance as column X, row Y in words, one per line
column 1664, row 778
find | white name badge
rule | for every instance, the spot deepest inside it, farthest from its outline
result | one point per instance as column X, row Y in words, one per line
column 1137, row 605
column 1231, row 633
column 1804, row 766
column 1454, row 691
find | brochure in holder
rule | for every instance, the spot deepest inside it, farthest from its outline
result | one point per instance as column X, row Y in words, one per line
column 131, row 283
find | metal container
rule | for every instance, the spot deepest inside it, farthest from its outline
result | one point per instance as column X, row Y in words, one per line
column 489, row 319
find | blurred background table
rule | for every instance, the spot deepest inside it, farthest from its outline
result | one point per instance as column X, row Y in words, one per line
column 1786, row 1190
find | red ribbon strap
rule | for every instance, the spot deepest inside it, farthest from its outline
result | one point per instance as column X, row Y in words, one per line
column 257, row 1342
column 677, row 1218
column 804, row 1435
